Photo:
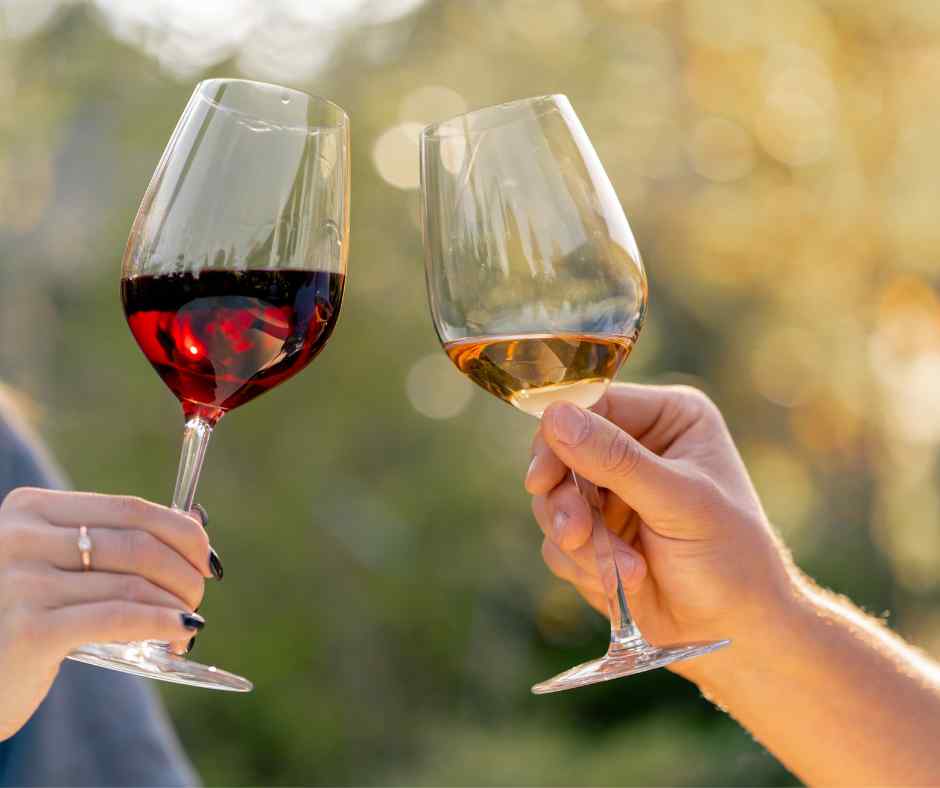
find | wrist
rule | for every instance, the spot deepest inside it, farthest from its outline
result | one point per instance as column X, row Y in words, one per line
column 764, row 640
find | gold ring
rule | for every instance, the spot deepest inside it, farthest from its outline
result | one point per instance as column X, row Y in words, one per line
column 84, row 547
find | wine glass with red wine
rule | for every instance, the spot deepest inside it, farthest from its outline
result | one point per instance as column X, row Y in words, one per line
column 538, row 294
column 233, row 278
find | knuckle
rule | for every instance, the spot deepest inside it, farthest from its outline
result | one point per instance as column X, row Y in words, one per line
column 689, row 393
column 22, row 498
column 188, row 533
column 703, row 498
column 132, row 507
column 705, row 488
column 695, row 400
column 623, row 455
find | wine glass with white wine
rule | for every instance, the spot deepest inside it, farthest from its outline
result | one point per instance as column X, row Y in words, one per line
column 538, row 294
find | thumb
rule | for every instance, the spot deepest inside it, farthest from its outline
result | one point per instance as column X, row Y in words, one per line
column 659, row 490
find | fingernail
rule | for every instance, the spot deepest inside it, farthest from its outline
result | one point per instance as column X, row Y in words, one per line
column 191, row 645
column 203, row 514
column 192, row 621
column 215, row 564
column 528, row 473
column 570, row 423
column 559, row 524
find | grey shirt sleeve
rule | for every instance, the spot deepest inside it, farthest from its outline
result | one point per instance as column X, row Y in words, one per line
column 96, row 727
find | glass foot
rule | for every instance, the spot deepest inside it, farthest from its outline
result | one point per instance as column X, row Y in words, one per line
column 624, row 661
column 152, row 660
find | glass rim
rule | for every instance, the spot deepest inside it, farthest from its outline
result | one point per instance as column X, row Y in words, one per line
column 342, row 116
column 441, row 128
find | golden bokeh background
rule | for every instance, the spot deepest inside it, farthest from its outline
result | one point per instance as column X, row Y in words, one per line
column 780, row 165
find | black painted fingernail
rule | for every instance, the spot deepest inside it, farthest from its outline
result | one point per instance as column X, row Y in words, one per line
column 190, row 645
column 215, row 564
column 199, row 509
column 192, row 621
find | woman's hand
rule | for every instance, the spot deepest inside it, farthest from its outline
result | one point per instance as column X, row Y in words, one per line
column 697, row 556
column 147, row 577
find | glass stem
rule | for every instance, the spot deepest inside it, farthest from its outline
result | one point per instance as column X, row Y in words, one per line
column 196, row 434
column 623, row 631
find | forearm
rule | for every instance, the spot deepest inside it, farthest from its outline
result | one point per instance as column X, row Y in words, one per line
column 837, row 697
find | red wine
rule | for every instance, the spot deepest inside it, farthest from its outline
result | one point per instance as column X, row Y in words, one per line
column 219, row 338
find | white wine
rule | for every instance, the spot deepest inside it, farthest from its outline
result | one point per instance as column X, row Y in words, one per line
column 530, row 371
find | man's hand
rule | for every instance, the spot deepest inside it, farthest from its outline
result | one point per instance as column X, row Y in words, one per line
column 698, row 558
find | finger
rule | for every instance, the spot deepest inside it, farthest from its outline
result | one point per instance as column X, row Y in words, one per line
column 545, row 469
column 215, row 563
column 61, row 589
column 118, row 550
column 573, row 535
column 563, row 516
column 571, row 526
column 178, row 530
column 74, row 588
column 564, row 567
column 631, row 566
column 663, row 492
column 113, row 621
column 180, row 647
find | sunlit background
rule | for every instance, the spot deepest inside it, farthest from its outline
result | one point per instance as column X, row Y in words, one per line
column 779, row 162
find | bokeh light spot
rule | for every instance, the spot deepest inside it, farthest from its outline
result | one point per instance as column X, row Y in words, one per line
column 435, row 388
column 395, row 155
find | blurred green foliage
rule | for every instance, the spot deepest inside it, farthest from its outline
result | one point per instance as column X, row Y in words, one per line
column 383, row 586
